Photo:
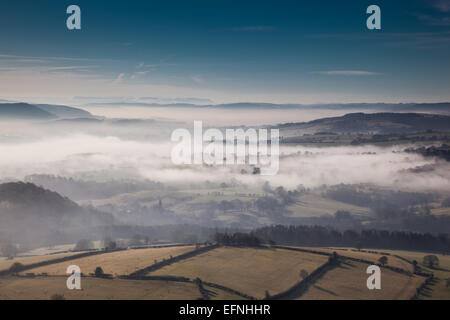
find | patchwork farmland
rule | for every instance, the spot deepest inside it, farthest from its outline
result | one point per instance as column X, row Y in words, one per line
column 218, row 272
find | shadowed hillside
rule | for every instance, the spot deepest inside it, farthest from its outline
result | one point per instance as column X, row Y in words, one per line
column 23, row 111
column 33, row 216
column 40, row 111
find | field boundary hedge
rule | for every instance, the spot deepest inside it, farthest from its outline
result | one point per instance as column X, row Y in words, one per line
column 395, row 269
column 219, row 286
column 49, row 262
column 195, row 281
column 419, row 290
column 142, row 272
column 298, row 289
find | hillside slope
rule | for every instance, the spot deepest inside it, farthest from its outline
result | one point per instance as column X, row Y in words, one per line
column 34, row 216
column 26, row 111
column 64, row 111
column 371, row 123
column 23, row 111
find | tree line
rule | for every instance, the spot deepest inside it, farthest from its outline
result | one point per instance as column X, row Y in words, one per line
column 323, row 236
column 237, row 239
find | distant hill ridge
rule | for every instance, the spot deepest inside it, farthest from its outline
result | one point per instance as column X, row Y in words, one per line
column 373, row 122
column 381, row 107
column 21, row 110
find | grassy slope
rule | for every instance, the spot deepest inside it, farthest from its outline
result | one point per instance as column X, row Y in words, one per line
column 348, row 252
column 251, row 271
column 348, row 281
column 116, row 263
column 94, row 288
column 43, row 288
column 6, row 264
column 311, row 205
column 438, row 290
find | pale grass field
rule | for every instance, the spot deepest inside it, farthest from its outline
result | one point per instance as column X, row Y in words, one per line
column 441, row 211
column 439, row 289
column 116, row 263
column 349, row 281
column 392, row 261
column 312, row 205
column 48, row 250
column 42, row 288
column 217, row 294
column 444, row 260
column 248, row 270
column 6, row 264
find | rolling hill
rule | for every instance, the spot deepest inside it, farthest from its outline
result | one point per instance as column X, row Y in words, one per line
column 380, row 123
column 23, row 111
column 64, row 111
column 26, row 111
column 441, row 108
column 284, row 273
column 33, row 216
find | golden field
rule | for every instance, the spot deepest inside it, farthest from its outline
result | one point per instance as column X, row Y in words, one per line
column 438, row 289
column 369, row 256
column 6, row 264
column 43, row 288
column 348, row 281
column 116, row 263
column 250, row 271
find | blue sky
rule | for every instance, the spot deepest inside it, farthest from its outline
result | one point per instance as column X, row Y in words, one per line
column 226, row 51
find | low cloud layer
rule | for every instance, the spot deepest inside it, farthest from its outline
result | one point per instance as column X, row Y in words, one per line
column 80, row 154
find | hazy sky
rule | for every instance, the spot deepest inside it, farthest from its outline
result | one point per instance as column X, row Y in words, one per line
column 226, row 51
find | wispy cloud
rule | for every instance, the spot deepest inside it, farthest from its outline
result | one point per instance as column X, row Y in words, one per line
column 434, row 21
column 19, row 63
column 139, row 74
column 252, row 28
column 69, row 68
column 442, row 5
column 143, row 65
column 393, row 39
column 119, row 78
column 193, row 100
column 115, row 98
column 43, row 59
column 197, row 79
column 27, row 60
column 46, row 69
column 347, row 73
column 437, row 19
